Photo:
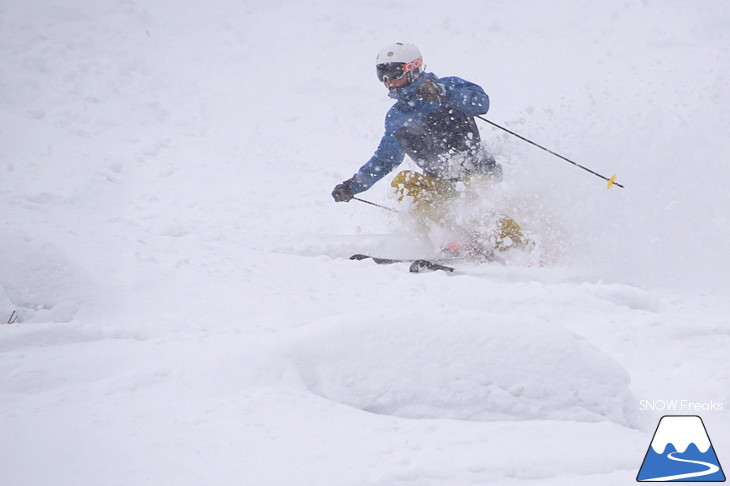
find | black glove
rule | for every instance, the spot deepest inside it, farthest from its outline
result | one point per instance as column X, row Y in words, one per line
column 429, row 91
column 343, row 191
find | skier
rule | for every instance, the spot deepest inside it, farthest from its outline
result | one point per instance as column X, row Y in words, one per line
column 431, row 122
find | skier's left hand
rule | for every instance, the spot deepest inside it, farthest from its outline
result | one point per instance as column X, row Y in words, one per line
column 429, row 91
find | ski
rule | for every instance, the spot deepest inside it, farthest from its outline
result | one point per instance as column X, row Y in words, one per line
column 378, row 260
column 419, row 266
column 13, row 318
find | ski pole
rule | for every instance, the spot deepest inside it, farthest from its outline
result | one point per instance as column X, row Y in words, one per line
column 375, row 204
column 611, row 180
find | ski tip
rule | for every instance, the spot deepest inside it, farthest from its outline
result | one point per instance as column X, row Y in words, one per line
column 359, row 256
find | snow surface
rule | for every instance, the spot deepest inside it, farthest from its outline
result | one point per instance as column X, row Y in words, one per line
column 187, row 314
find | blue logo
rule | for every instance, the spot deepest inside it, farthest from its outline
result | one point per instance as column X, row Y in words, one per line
column 681, row 451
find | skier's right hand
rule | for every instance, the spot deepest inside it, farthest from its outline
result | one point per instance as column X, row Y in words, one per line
column 343, row 191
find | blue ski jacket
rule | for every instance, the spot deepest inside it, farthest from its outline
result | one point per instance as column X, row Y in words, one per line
column 430, row 132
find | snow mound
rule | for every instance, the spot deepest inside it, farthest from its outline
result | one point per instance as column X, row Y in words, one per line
column 38, row 281
column 466, row 366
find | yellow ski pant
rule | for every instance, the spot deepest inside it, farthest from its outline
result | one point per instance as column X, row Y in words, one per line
column 429, row 200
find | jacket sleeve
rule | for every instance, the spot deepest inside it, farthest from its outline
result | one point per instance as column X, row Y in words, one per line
column 388, row 155
column 466, row 94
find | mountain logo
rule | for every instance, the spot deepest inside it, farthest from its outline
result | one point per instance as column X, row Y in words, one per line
column 681, row 451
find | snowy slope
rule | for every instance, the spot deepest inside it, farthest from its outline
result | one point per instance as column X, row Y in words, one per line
column 187, row 311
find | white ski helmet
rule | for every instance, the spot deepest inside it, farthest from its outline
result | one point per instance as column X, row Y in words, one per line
column 397, row 60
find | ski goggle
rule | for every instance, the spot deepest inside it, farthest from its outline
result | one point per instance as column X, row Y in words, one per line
column 395, row 70
column 390, row 71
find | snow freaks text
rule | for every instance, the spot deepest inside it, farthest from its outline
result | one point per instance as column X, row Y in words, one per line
column 680, row 406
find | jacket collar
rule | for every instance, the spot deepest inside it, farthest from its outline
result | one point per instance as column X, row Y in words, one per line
column 407, row 96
